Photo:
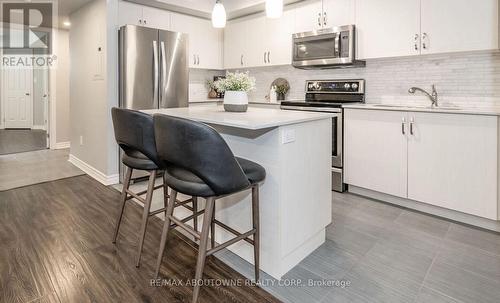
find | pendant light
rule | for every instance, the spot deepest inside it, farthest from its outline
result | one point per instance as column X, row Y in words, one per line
column 274, row 8
column 219, row 15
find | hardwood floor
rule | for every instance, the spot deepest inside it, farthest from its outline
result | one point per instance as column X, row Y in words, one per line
column 55, row 246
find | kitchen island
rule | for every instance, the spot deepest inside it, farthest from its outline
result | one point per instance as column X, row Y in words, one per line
column 295, row 199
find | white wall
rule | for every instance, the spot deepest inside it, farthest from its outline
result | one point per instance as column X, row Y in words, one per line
column 89, row 81
column 59, row 88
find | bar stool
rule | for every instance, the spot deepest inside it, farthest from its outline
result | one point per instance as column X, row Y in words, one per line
column 134, row 133
column 198, row 162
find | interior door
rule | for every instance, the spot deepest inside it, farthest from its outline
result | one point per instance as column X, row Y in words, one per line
column 375, row 150
column 452, row 162
column 459, row 25
column 18, row 98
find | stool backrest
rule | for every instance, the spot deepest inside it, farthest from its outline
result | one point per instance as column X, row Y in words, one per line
column 134, row 131
column 201, row 150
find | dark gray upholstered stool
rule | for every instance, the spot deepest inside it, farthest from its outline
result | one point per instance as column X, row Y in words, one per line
column 134, row 133
column 199, row 163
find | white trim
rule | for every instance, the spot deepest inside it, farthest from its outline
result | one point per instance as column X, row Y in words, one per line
column 428, row 208
column 93, row 172
column 62, row 145
column 41, row 127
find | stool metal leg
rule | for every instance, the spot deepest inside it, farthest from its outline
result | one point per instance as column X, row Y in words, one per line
column 166, row 228
column 212, row 230
column 202, row 251
column 145, row 215
column 126, row 185
column 195, row 210
column 256, row 237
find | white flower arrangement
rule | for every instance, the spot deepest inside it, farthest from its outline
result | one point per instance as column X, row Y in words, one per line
column 236, row 82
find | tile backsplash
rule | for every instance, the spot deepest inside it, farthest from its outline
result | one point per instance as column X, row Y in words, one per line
column 198, row 90
column 470, row 79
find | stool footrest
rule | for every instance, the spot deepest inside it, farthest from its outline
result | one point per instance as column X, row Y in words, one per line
column 232, row 230
column 230, row 242
column 187, row 228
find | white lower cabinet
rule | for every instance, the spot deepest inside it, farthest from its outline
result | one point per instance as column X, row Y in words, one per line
column 447, row 160
column 452, row 162
column 375, row 151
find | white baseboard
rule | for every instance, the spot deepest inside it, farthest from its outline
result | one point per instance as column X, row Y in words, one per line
column 93, row 172
column 62, row 145
column 39, row 127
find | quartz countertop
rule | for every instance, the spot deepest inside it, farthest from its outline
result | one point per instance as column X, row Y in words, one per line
column 253, row 119
column 447, row 109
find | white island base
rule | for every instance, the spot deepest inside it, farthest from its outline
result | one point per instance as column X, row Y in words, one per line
column 295, row 198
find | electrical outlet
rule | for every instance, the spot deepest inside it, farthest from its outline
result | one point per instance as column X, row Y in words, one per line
column 81, row 140
column 288, row 136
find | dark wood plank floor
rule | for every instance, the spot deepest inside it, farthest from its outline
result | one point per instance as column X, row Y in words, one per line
column 55, row 246
column 22, row 140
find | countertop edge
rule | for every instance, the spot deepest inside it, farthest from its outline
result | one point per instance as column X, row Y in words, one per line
column 461, row 111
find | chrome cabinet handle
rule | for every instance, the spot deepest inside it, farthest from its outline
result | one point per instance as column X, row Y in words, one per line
column 198, row 59
column 319, row 19
column 265, row 61
column 403, row 124
column 194, row 59
column 424, row 39
column 241, row 60
column 412, row 121
column 325, row 19
column 416, row 41
column 145, row 21
column 268, row 57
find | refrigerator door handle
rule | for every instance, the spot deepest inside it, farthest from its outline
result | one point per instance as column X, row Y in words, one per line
column 163, row 69
column 156, row 75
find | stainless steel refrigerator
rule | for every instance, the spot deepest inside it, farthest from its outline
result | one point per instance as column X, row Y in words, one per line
column 154, row 70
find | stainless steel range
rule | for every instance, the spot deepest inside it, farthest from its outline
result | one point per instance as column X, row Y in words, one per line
column 329, row 96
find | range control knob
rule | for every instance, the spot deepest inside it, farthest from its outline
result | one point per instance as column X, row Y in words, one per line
column 347, row 86
column 354, row 86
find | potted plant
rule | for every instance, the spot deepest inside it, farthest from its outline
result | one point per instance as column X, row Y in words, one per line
column 236, row 86
column 281, row 91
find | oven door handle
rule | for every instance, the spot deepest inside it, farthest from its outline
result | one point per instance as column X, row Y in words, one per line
column 340, row 137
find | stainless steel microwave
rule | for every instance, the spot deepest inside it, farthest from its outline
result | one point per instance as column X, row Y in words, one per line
column 325, row 48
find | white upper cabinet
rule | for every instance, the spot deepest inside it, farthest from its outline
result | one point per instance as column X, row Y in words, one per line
column 235, row 44
column 135, row 14
column 256, row 45
column 314, row 15
column 205, row 42
column 459, row 25
column 388, row 28
column 338, row 12
column 129, row 13
column 308, row 17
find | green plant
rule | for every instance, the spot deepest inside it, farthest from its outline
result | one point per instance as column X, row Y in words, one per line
column 235, row 82
column 210, row 84
column 282, row 89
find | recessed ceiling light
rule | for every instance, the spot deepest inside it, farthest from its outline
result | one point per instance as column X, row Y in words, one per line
column 67, row 23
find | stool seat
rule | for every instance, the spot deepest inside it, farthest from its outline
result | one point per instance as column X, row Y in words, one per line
column 254, row 172
column 138, row 160
column 186, row 182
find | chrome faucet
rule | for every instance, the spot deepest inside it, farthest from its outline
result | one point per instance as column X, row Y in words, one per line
column 433, row 96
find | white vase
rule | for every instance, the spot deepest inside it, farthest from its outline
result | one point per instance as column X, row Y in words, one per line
column 235, row 101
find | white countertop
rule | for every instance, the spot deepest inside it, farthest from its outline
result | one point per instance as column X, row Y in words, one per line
column 488, row 111
column 253, row 119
